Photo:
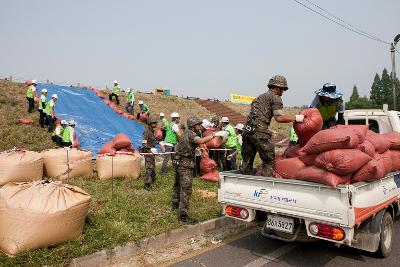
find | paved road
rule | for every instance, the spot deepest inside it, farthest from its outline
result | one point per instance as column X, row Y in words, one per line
column 255, row 250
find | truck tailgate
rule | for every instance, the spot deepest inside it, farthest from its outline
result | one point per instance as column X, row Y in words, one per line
column 287, row 197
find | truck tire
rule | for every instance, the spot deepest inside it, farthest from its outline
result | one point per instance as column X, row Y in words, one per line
column 386, row 236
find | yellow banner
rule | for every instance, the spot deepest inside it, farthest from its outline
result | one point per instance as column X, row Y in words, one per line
column 242, row 99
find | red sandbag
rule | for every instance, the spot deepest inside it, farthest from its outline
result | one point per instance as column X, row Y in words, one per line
column 28, row 82
column 359, row 130
column 367, row 147
column 158, row 134
column 207, row 165
column 330, row 139
column 317, row 175
column 371, row 171
column 112, row 105
column 307, row 159
column 311, row 125
column 126, row 115
column 292, row 151
column 379, row 141
column 144, row 117
column 386, row 160
column 394, row 140
column 395, row 156
column 288, row 168
column 211, row 176
column 108, row 148
column 100, row 95
column 107, row 102
column 128, row 149
column 131, row 117
column 342, row 161
column 26, row 121
column 76, row 144
column 121, row 140
column 216, row 142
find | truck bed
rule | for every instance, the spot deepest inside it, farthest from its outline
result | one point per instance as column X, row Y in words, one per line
column 346, row 205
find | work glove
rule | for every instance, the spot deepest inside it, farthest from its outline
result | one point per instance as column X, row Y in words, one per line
column 222, row 134
column 153, row 150
column 299, row 118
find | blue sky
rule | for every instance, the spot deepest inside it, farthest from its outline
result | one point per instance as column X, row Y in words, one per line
column 197, row 48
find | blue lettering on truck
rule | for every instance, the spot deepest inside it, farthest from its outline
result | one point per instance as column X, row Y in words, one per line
column 397, row 180
column 260, row 192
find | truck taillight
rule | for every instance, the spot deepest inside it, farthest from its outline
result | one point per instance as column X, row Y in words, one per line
column 327, row 231
column 237, row 212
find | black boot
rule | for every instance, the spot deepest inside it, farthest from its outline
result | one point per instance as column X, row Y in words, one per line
column 183, row 217
column 147, row 186
column 174, row 206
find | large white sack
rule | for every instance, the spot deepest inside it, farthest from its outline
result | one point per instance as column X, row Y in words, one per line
column 120, row 165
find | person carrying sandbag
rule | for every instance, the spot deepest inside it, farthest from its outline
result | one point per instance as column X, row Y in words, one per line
column 69, row 134
column 143, row 109
column 50, row 112
column 42, row 106
column 149, row 143
column 114, row 92
column 256, row 135
column 58, row 132
column 329, row 102
column 185, row 155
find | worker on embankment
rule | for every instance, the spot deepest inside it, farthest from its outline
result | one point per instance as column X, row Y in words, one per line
column 50, row 112
column 31, row 94
column 143, row 109
column 115, row 92
column 183, row 181
column 69, row 134
column 329, row 102
column 58, row 132
column 256, row 135
column 42, row 106
column 149, row 143
column 130, row 101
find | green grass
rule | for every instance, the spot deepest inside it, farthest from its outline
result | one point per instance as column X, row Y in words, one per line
column 130, row 213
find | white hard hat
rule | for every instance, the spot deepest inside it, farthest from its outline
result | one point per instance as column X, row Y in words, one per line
column 64, row 122
column 44, row 90
column 162, row 114
column 55, row 96
column 128, row 89
column 115, row 81
column 225, row 119
column 140, row 102
column 34, row 81
column 72, row 122
column 175, row 115
column 239, row 126
column 206, row 124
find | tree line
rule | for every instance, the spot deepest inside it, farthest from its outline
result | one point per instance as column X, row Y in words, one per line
column 381, row 93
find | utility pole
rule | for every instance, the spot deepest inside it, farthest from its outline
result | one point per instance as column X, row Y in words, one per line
column 392, row 51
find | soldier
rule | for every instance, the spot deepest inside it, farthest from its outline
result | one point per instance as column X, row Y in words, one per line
column 185, row 153
column 256, row 136
column 148, row 146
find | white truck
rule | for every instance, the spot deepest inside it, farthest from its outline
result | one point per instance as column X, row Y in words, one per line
column 359, row 215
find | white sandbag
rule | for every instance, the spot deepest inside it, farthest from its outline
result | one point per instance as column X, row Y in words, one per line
column 20, row 166
column 120, row 165
column 67, row 163
column 37, row 214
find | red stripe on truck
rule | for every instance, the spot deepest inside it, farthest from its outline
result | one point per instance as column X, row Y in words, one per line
column 361, row 214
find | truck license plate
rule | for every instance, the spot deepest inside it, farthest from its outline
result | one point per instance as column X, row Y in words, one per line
column 280, row 223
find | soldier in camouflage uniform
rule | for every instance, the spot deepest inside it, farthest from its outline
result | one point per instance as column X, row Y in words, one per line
column 148, row 146
column 185, row 154
column 256, row 136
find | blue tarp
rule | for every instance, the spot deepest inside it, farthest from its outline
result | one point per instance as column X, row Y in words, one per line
column 97, row 123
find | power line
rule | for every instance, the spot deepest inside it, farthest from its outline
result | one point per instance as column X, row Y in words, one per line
column 339, row 21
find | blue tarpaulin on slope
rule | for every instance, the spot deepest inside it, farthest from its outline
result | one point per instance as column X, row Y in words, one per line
column 97, row 123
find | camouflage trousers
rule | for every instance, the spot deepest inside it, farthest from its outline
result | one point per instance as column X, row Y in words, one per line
column 254, row 142
column 150, row 166
column 182, row 190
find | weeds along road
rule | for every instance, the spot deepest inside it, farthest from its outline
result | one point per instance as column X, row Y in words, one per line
column 254, row 250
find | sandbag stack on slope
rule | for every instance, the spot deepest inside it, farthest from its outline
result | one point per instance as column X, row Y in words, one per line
column 38, row 214
column 121, row 142
column 125, row 165
column 67, row 163
column 340, row 155
column 20, row 166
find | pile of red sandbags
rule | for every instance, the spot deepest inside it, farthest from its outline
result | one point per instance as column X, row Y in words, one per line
column 26, row 120
column 121, row 143
column 209, row 168
column 216, row 142
column 118, row 110
column 340, row 155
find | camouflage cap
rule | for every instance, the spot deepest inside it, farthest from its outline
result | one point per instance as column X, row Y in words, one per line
column 278, row 81
column 152, row 119
column 192, row 121
column 216, row 119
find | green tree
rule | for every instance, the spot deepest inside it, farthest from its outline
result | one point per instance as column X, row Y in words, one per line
column 376, row 91
column 354, row 96
column 386, row 85
column 360, row 103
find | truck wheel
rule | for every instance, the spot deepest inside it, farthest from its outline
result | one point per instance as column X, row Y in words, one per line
column 386, row 235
